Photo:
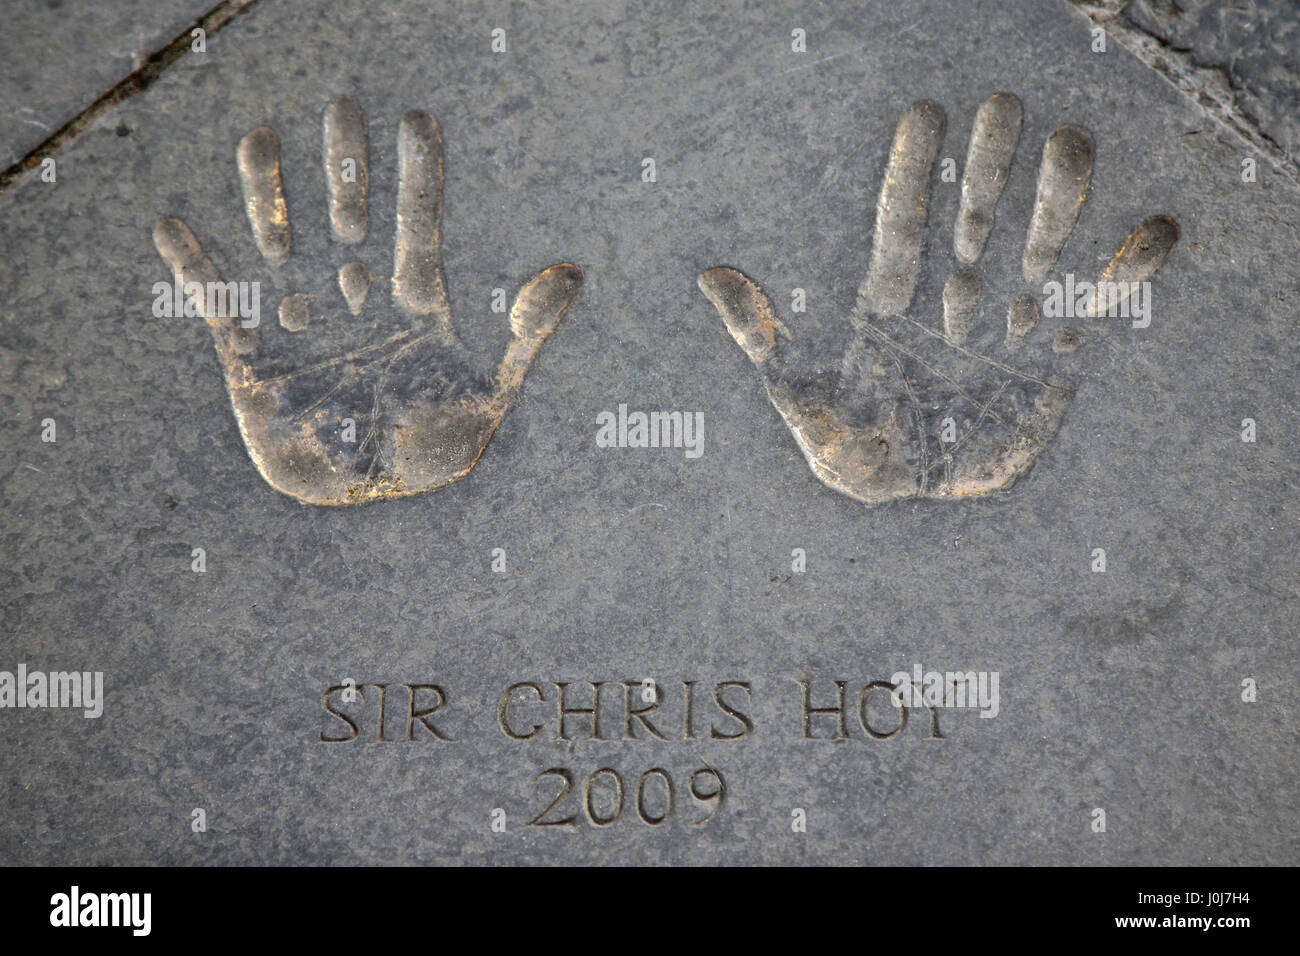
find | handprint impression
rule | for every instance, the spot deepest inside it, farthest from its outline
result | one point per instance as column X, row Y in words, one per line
column 917, row 411
column 349, row 409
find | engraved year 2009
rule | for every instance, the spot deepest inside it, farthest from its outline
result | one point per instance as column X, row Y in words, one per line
column 605, row 796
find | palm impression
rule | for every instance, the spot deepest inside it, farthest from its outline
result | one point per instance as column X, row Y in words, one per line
column 923, row 410
column 355, row 398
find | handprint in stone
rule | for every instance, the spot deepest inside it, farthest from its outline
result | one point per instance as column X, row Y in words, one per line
column 916, row 409
column 383, row 403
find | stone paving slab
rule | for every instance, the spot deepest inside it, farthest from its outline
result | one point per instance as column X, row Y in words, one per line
column 60, row 55
column 1120, row 691
column 1240, row 61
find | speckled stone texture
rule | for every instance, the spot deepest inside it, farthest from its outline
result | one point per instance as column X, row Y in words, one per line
column 1120, row 691
column 60, row 55
column 1254, row 44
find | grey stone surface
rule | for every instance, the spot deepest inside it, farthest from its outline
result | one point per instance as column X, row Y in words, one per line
column 1256, row 45
column 59, row 55
column 1236, row 60
column 1119, row 690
